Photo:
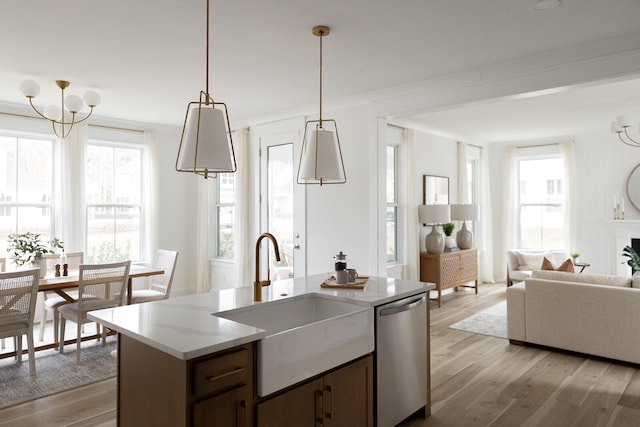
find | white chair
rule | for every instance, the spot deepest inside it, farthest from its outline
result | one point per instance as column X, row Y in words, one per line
column 19, row 290
column 99, row 286
column 160, row 286
column 52, row 300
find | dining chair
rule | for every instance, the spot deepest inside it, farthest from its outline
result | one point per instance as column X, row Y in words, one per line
column 160, row 285
column 19, row 291
column 99, row 286
column 52, row 300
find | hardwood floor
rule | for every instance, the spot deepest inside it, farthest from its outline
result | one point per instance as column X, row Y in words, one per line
column 477, row 380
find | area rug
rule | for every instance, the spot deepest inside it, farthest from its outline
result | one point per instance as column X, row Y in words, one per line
column 492, row 321
column 55, row 372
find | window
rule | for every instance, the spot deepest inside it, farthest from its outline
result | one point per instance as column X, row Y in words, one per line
column 225, row 214
column 26, row 186
column 113, row 188
column 541, row 202
column 394, row 218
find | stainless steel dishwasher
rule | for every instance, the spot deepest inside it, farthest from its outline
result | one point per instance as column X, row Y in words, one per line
column 401, row 359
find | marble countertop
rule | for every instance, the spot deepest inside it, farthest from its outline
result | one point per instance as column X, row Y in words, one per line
column 186, row 327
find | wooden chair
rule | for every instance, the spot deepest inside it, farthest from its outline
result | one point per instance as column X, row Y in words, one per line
column 52, row 300
column 19, row 290
column 99, row 286
column 160, row 287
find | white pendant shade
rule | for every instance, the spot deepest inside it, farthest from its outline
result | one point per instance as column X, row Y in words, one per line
column 205, row 142
column 321, row 158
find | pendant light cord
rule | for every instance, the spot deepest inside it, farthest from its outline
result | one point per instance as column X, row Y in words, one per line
column 207, row 55
column 321, row 35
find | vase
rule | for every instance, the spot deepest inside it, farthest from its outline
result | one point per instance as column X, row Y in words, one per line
column 42, row 264
column 449, row 242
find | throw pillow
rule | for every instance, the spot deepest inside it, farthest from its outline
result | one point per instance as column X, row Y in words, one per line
column 547, row 265
column 567, row 266
column 635, row 280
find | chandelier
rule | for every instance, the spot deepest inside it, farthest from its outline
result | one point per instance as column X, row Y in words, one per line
column 56, row 114
column 321, row 157
column 621, row 127
column 206, row 147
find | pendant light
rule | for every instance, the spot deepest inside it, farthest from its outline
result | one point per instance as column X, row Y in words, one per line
column 321, row 157
column 206, row 147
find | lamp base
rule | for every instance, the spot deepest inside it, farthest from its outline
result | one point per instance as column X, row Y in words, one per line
column 434, row 241
column 464, row 237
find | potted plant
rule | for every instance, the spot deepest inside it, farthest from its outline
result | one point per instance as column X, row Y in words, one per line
column 634, row 259
column 449, row 241
column 29, row 249
column 575, row 256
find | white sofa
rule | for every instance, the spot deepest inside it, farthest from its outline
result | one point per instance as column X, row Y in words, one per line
column 591, row 314
column 521, row 262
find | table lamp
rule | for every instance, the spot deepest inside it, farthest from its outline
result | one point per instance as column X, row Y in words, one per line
column 434, row 215
column 464, row 237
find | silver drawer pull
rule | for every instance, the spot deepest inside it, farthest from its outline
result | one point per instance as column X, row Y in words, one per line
column 226, row 374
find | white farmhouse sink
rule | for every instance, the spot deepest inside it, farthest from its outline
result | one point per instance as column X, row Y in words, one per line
column 306, row 335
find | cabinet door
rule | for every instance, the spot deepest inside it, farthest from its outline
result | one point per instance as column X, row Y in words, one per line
column 232, row 408
column 301, row 406
column 469, row 265
column 348, row 395
column 450, row 270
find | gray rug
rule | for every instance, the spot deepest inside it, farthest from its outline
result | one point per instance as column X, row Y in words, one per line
column 55, row 372
column 492, row 321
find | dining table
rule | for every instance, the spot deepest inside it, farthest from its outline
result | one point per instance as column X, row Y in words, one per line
column 62, row 284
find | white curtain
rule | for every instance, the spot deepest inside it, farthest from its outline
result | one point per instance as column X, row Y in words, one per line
column 72, row 215
column 463, row 183
column 151, row 195
column 568, row 155
column 242, row 255
column 412, row 242
column 510, row 205
column 203, row 284
column 486, row 218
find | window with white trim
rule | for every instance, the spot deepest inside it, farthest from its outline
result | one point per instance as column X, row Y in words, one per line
column 26, row 186
column 541, row 200
column 225, row 194
column 114, row 201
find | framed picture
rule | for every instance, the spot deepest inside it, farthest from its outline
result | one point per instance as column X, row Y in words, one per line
column 435, row 190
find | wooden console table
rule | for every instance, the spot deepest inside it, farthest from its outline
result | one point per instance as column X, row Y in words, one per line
column 450, row 269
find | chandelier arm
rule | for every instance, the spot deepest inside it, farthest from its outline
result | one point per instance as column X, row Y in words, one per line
column 626, row 132
column 36, row 109
column 630, row 144
column 74, row 121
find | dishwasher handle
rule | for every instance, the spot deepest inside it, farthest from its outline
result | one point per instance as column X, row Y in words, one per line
column 410, row 305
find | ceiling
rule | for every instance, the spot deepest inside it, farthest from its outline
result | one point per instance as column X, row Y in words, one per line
column 146, row 58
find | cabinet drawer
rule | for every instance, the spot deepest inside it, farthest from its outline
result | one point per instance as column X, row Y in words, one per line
column 222, row 373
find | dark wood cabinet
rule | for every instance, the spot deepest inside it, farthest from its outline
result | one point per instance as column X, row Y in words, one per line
column 156, row 389
column 450, row 270
column 343, row 397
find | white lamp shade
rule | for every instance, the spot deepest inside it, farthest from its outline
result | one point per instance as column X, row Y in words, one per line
column 30, row 88
column 464, row 212
column 434, row 214
column 206, row 146
column 92, row 98
column 73, row 103
column 321, row 157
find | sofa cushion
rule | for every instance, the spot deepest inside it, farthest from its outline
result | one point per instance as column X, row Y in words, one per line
column 594, row 279
column 531, row 260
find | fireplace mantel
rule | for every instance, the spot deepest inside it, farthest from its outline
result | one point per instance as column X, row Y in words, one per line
column 624, row 230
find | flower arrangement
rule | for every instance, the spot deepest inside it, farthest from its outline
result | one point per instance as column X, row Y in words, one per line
column 28, row 248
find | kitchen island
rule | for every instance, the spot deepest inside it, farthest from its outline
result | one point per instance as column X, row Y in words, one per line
column 168, row 348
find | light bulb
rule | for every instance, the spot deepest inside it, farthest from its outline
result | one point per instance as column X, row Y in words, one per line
column 73, row 103
column 30, row 89
column 53, row 112
column 92, row 98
